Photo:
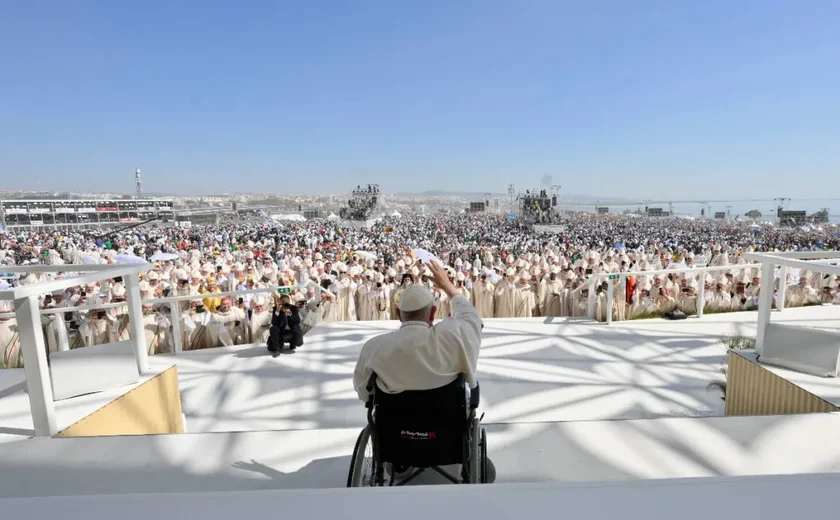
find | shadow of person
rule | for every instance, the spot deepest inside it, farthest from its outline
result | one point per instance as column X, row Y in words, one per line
column 258, row 467
column 332, row 473
column 253, row 352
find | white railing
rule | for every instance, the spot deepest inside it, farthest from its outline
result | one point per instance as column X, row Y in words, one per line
column 172, row 303
column 695, row 272
column 28, row 320
column 819, row 261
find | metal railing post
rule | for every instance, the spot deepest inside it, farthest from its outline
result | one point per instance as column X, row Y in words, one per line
column 610, row 290
column 61, row 330
column 623, row 294
column 136, row 330
column 780, row 300
column 591, row 300
column 701, row 295
column 175, row 319
column 38, row 377
column 765, row 303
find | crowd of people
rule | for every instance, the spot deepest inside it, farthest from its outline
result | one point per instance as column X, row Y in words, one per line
column 504, row 269
column 362, row 204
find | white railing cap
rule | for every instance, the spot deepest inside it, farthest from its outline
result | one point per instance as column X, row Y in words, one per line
column 115, row 270
column 795, row 261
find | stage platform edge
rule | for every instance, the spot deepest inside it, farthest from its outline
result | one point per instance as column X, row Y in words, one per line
column 152, row 407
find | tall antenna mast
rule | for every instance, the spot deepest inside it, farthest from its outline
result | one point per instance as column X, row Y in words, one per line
column 138, row 185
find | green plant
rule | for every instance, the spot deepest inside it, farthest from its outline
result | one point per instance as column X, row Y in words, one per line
column 738, row 342
column 731, row 343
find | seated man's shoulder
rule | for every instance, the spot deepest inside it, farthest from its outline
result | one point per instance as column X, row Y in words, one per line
column 379, row 340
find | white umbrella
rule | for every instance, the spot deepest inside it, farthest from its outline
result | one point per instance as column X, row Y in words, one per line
column 366, row 254
column 89, row 260
column 163, row 257
column 130, row 259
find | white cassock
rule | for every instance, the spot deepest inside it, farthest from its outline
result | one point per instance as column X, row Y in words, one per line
column 553, row 299
column 10, row 344
column 346, row 300
column 482, row 297
column 330, row 311
column 259, row 326
column 229, row 328
column 441, row 302
column 505, row 299
column 526, row 301
column 665, row 303
column 687, row 303
column 364, row 311
column 380, row 303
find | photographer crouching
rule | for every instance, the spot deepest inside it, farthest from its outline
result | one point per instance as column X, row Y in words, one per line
column 285, row 326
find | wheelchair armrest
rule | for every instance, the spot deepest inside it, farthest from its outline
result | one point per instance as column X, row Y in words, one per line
column 475, row 396
column 371, row 386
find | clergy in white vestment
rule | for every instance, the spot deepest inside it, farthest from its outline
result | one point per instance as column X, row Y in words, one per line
column 526, row 298
column 505, row 300
column 483, row 296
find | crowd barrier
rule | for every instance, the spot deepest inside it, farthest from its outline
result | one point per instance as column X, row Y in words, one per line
column 778, row 272
column 172, row 303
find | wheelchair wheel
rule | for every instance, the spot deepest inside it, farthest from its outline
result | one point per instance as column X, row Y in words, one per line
column 483, row 456
column 475, row 458
column 362, row 464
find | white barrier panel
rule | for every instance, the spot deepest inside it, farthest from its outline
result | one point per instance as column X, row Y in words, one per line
column 810, row 351
column 93, row 369
column 549, row 229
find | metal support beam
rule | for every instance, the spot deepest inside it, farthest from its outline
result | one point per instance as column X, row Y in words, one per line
column 765, row 304
column 701, row 296
column 135, row 323
column 780, row 300
column 38, row 382
column 175, row 318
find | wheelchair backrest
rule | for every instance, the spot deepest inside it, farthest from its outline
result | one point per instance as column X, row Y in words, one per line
column 421, row 428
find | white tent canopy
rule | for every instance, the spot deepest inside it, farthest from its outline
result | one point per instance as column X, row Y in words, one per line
column 396, row 214
column 333, row 216
column 292, row 216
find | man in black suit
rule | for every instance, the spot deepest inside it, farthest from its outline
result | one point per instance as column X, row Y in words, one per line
column 285, row 326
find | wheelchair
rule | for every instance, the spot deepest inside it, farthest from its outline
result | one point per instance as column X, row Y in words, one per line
column 420, row 430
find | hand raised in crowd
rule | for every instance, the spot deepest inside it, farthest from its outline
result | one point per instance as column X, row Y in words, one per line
column 441, row 278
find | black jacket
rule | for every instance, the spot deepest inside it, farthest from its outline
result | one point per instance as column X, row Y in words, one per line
column 279, row 323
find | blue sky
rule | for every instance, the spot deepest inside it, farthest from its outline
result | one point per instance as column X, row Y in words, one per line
column 644, row 99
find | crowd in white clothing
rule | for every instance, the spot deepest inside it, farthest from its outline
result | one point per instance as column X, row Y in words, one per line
column 504, row 269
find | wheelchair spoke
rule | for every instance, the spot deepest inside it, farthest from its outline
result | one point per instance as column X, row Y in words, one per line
column 368, row 467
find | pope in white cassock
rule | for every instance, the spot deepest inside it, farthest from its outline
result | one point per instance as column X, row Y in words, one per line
column 422, row 355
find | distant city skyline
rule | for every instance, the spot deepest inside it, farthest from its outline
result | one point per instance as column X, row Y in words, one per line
column 652, row 99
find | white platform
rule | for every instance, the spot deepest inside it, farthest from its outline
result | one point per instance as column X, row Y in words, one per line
column 523, row 452
column 531, row 370
column 765, row 498
column 16, row 419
